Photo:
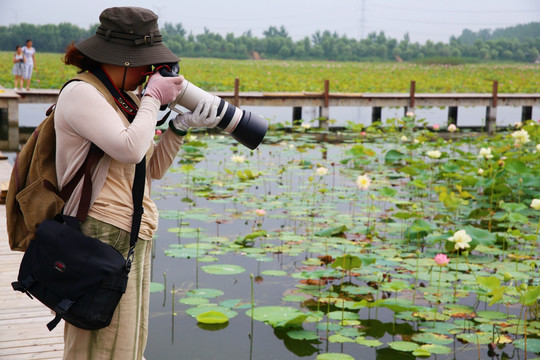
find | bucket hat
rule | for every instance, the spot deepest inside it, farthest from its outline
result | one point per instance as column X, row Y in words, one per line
column 127, row 36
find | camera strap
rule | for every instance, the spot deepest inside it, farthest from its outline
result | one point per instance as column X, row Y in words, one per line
column 122, row 99
column 129, row 108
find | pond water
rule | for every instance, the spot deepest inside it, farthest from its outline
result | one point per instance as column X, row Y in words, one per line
column 215, row 250
column 204, row 251
column 31, row 114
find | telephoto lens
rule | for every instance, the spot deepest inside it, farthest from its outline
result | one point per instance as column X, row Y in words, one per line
column 245, row 127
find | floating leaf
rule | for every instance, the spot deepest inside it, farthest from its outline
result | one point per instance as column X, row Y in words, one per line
column 431, row 338
column 533, row 345
column 191, row 300
column 421, row 352
column 204, row 293
column 338, row 338
column 198, row 310
column 436, row 349
column 275, row 315
column 334, row 356
column 393, row 156
column 368, row 342
column 156, row 287
column 407, row 346
column 223, row 269
column 491, row 315
column 302, row 335
column 212, row 317
column 332, row 231
column 274, row 273
column 347, row 262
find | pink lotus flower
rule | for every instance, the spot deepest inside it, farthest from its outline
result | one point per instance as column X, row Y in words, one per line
column 158, row 132
column 441, row 259
column 260, row 212
column 436, row 127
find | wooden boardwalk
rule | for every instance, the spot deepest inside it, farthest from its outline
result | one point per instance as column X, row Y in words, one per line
column 23, row 331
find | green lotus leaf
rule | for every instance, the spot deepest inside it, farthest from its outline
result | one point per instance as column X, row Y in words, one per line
column 223, row 269
column 274, row 273
column 533, row 345
column 156, row 287
column 436, row 349
column 421, row 353
column 407, row 346
column 302, row 335
column 205, row 293
column 212, row 317
column 191, row 300
column 338, row 338
column 334, row 356
column 491, row 315
column 431, row 338
column 196, row 311
column 368, row 342
column 275, row 315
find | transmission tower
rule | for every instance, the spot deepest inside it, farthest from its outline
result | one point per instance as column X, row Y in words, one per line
column 362, row 18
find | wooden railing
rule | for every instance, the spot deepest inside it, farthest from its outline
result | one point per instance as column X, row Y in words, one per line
column 9, row 101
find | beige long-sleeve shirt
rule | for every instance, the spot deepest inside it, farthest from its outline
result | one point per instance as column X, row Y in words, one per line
column 83, row 116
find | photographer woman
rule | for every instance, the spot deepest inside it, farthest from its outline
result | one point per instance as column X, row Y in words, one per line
column 121, row 54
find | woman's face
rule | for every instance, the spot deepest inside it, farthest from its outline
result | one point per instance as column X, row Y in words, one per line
column 136, row 76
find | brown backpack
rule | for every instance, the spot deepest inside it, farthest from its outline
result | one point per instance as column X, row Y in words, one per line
column 33, row 195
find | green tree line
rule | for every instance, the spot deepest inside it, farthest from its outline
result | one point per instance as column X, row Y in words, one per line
column 519, row 43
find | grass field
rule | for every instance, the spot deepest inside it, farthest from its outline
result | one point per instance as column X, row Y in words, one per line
column 267, row 75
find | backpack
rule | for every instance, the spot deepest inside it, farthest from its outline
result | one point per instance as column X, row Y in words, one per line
column 32, row 195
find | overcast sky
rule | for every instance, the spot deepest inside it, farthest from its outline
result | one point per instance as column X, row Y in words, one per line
column 436, row 20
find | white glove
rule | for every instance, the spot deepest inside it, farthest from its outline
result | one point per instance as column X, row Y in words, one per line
column 164, row 89
column 205, row 115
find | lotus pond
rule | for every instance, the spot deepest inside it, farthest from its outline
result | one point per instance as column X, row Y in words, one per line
column 394, row 242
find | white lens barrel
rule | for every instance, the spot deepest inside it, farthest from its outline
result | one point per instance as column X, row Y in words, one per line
column 245, row 127
column 190, row 97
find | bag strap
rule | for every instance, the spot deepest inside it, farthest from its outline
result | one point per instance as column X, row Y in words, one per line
column 137, row 192
column 94, row 154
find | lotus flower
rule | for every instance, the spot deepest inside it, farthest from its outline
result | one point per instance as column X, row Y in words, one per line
column 441, row 259
column 461, row 240
column 363, row 182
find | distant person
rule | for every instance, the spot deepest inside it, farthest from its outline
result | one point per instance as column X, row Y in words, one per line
column 30, row 61
column 18, row 67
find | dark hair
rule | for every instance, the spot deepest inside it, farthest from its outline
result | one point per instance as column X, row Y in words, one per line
column 76, row 58
column 16, row 47
column 27, row 40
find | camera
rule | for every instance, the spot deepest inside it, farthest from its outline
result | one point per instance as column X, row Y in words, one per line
column 245, row 127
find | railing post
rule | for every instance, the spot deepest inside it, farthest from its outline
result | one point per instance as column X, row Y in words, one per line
column 412, row 90
column 13, row 124
column 526, row 113
column 324, row 111
column 297, row 115
column 376, row 113
column 236, row 92
column 452, row 115
column 491, row 111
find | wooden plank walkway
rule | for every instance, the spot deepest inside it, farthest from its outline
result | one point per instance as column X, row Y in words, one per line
column 23, row 331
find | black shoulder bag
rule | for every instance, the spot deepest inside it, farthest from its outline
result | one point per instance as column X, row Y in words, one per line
column 79, row 277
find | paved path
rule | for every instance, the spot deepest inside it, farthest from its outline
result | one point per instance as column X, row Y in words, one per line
column 23, row 331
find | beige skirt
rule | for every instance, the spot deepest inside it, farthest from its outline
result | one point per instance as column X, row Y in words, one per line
column 125, row 338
